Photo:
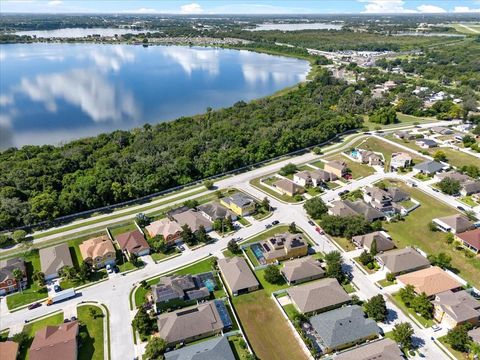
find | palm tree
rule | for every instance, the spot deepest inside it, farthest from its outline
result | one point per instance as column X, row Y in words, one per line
column 18, row 275
column 39, row 277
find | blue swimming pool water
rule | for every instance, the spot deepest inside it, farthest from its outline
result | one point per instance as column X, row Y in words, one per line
column 257, row 251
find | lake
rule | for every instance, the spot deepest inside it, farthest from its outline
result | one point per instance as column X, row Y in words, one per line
column 51, row 93
column 297, row 26
column 77, row 32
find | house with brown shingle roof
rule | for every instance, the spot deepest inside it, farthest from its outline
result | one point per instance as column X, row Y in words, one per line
column 430, row 281
column 382, row 240
column 287, row 187
column 339, row 168
column 470, row 240
column 170, row 230
column 98, row 252
column 384, row 349
column 456, row 308
column 193, row 219
column 345, row 208
column 318, row 296
column 133, row 242
column 9, row 350
column 283, row 246
column 53, row 258
column 302, row 270
column 8, row 283
column 401, row 261
column 55, row 342
column 238, row 277
column 475, row 335
column 455, row 224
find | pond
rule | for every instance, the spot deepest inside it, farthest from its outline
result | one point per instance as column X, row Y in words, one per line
column 52, row 93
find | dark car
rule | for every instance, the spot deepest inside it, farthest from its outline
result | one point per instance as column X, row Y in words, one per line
column 73, row 318
column 34, row 306
column 116, row 270
column 268, row 226
column 275, row 222
column 310, row 222
column 57, row 288
column 461, row 208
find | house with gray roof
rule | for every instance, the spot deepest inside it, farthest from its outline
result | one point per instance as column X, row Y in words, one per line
column 53, row 258
column 346, row 208
column 470, row 188
column 456, row 308
column 214, row 211
column 455, row 224
column 475, row 335
column 302, row 270
column 287, row 187
column 429, row 167
column 402, row 261
column 318, row 296
column 342, row 328
column 217, row 348
column 452, row 175
column 426, row 143
column 384, row 349
column 193, row 219
column 382, row 240
column 194, row 323
column 238, row 276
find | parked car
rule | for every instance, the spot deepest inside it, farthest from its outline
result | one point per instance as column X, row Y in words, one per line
column 57, row 288
column 34, row 306
column 461, row 208
column 268, row 226
column 109, row 269
column 436, row 328
column 275, row 222
column 310, row 222
column 116, row 269
column 319, row 230
column 73, row 318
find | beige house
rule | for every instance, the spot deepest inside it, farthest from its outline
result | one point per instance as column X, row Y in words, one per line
column 193, row 219
column 302, row 270
column 431, row 281
column 456, row 308
column 384, row 349
column 382, row 240
column 55, row 342
column 170, row 230
column 53, row 258
column 287, row 187
column 283, row 246
column 98, row 252
column 238, row 277
column 339, row 168
column 401, row 261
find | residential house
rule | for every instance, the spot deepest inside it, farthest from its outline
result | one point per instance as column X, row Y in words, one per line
column 217, row 348
column 283, row 246
column 470, row 240
column 452, row 175
column 441, row 130
column 133, row 242
column 455, row 224
column 55, row 342
column 302, row 270
column 183, row 287
column 475, row 335
column 397, row 194
column 338, row 168
column 384, row 349
column 426, row 143
column 54, row 258
column 429, row 167
column 313, row 178
column 382, row 240
column 344, row 327
column 170, row 230
column 431, row 281
column 194, row 323
column 470, row 188
column 346, row 208
column 456, row 308
column 9, row 350
column 318, row 296
column 239, row 203
column 389, row 84
column 194, row 220
column 8, row 283
column 214, row 211
column 287, row 187
column 401, row 261
column 371, row 158
column 378, row 199
column 403, row 135
column 400, row 160
column 98, row 252
column 238, row 277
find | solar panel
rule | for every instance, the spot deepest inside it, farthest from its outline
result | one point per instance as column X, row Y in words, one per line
column 223, row 312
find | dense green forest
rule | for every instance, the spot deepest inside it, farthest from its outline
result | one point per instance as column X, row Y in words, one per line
column 43, row 182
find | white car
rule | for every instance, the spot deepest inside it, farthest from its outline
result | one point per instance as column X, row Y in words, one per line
column 436, row 328
column 109, row 269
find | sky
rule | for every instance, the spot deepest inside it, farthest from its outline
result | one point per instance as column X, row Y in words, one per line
column 241, row 6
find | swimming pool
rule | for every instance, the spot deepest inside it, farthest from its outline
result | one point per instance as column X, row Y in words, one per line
column 257, row 251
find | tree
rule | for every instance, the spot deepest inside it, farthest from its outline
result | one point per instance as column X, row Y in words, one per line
column 22, row 339
column 68, row 272
column 334, row 266
column 365, row 258
column 208, row 184
column 187, row 235
column 384, row 116
column 407, row 294
column 390, row 277
column 265, row 204
column 84, row 272
column 228, row 223
column 92, row 311
column 376, row 308
column 192, row 203
column 315, row 207
column 272, row 275
column 292, row 228
column 288, row 169
column 18, row 276
column 19, row 235
column 155, row 348
column 233, row 247
column 474, row 348
column 442, row 260
column 402, row 334
column 39, row 277
column 158, row 244
column 142, row 219
column 422, row 305
column 134, row 260
column 373, row 248
column 449, row 186
column 202, row 235
column 458, row 338
column 449, row 238
column 440, row 156
column 142, row 322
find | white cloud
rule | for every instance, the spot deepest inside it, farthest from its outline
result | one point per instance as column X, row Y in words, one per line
column 55, row 3
column 141, row 11
column 465, row 9
column 192, row 8
column 430, row 9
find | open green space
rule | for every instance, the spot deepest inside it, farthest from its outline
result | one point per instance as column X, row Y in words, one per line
column 319, row 164
column 415, row 231
column 290, row 310
column 118, row 230
column 344, row 243
column 468, row 200
column 282, row 197
column 265, row 327
column 385, row 283
column 92, row 348
column 398, row 301
column 270, row 288
column 403, row 120
column 358, row 170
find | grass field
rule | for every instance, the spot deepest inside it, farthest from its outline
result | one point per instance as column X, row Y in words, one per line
column 285, row 198
column 358, row 170
column 31, row 328
column 398, row 301
column 93, row 347
column 414, row 231
column 118, row 230
column 269, row 288
column 266, row 328
column 402, row 120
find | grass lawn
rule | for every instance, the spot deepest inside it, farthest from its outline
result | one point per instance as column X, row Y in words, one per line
column 117, row 230
column 313, row 191
column 290, row 310
column 270, row 232
column 266, row 328
column 319, row 164
column 370, row 271
column 92, row 348
column 33, row 292
column 385, row 283
column 344, row 243
column 285, row 198
column 414, row 231
column 240, row 352
column 468, row 201
column 458, row 355
column 31, row 328
column 251, row 256
column 349, row 288
column 244, row 221
column 358, row 170
column 269, row 288
column 260, row 214
column 402, row 120
column 398, row 301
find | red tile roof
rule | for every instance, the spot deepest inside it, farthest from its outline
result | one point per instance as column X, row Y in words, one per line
column 471, row 237
column 132, row 241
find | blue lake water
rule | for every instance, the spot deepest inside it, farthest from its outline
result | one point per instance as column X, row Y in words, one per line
column 51, row 93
